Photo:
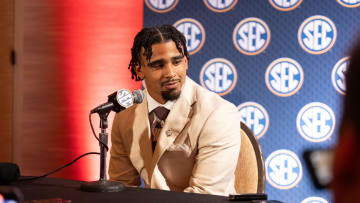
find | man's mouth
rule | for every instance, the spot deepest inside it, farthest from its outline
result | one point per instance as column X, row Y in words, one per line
column 171, row 84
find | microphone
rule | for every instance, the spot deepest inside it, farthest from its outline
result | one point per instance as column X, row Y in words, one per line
column 119, row 101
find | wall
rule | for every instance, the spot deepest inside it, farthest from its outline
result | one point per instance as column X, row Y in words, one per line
column 6, row 78
column 73, row 54
column 274, row 60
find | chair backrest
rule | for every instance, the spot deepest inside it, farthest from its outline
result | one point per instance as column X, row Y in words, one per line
column 250, row 170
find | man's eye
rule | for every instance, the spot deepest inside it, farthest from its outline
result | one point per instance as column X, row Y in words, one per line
column 177, row 62
column 156, row 65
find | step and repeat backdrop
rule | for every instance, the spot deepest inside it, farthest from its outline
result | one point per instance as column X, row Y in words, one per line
column 282, row 62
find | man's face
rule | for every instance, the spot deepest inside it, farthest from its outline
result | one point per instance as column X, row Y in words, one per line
column 165, row 72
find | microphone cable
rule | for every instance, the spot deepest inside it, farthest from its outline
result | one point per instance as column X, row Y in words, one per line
column 70, row 163
column 58, row 169
column 93, row 131
column 139, row 96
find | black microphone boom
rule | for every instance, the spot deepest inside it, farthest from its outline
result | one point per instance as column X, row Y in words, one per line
column 119, row 101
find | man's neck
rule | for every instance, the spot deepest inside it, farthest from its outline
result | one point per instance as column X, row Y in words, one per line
column 152, row 103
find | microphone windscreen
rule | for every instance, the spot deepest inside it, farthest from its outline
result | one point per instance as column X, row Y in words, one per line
column 8, row 172
column 138, row 96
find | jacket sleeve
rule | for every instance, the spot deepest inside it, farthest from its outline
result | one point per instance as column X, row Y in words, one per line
column 218, row 150
column 120, row 167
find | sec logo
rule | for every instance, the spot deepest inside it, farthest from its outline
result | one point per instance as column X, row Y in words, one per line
column 161, row 6
column 284, row 77
column 283, row 169
column 218, row 75
column 255, row 117
column 285, row 5
column 338, row 75
column 251, row 36
column 314, row 200
column 124, row 98
column 317, row 34
column 349, row 3
column 220, row 6
column 193, row 32
column 315, row 122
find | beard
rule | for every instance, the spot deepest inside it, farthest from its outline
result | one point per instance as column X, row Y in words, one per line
column 170, row 95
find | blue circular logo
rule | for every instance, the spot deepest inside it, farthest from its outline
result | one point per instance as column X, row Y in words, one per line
column 314, row 200
column 161, row 6
column 220, row 6
column 193, row 32
column 283, row 169
column 338, row 75
column 285, row 5
column 251, row 36
column 284, row 77
column 218, row 75
column 317, row 34
column 315, row 122
column 349, row 3
column 255, row 117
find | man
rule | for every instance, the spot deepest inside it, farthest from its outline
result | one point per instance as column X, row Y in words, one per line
column 346, row 169
column 196, row 147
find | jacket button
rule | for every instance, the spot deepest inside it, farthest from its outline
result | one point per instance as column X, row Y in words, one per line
column 168, row 132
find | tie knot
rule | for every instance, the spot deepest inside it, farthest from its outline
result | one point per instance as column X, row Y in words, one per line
column 161, row 112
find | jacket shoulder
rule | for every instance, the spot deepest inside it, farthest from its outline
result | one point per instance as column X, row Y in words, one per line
column 209, row 101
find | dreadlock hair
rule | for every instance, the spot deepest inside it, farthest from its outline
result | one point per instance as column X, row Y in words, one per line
column 153, row 35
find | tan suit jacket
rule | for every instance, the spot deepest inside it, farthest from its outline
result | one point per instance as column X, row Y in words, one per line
column 197, row 150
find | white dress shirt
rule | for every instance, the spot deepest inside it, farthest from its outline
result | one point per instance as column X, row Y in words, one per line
column 152, row 103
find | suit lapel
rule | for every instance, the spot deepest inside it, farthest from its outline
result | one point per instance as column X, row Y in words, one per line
column 175, row 122
column 141, row 135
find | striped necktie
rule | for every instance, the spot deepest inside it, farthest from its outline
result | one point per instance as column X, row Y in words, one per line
column 157, row 119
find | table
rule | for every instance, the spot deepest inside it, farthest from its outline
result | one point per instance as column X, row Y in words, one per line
column 49, row 188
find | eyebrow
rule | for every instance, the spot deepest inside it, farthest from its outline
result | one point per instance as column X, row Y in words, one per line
column 177, row 57
column 162, row 60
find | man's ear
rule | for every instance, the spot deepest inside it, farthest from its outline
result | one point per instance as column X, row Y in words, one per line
column 139, row 72
column 186, row 60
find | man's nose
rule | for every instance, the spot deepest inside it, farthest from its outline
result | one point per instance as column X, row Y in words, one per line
column 169, row 70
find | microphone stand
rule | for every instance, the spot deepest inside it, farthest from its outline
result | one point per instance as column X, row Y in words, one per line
column 103, row 185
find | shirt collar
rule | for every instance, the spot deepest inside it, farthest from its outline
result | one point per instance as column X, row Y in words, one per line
column 152, row 103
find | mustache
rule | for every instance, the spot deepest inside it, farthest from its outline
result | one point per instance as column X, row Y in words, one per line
column 170, row 81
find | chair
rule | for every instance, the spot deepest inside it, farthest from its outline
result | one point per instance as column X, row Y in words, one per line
column 250, row 170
